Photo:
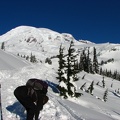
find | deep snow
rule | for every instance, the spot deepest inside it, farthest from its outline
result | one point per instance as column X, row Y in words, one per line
column 15, row 71
column 86, row 107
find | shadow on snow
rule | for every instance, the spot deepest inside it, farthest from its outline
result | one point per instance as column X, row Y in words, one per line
column 17, row 109
column 116, row 94
column 53, row 86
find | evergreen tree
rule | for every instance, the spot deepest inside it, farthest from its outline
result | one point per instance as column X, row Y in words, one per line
column 75, row 71
column 115, row 74
column 95, row 61
column 97, row 83
column 61, row 73
column 70, row 61
column 63, row 91
column 18, row 54
column 105, row 95
column 103, row 82
column 88, row 63
column 111, row 85
column 91, row 88
column 101, row 71
column 3, row 46
column 118, row 91
column 27, row 57
column 83, row 77
column 33, row 58
column 67, row 72
column 85, row 62
column 109, row 73
column 82, row 65
column 71, row 71
column 48, row 60
column 24, row 56
column 83, row 86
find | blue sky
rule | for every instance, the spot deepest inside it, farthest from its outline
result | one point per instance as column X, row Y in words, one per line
column 94, row 20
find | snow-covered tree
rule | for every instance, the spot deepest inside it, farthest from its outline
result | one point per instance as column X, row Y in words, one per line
column 33, row 58
column 48, row 60
column 97, row 83
column 103, row 82
column 61, row 73
column 91, row 88
column 89, row 63
column 85, row 62
column 111, row 85
column 63, row 89
column 82, row 64
column 70, row 70
column 27, row 57
column 83, row 86
column 105, row 95
column 83, row 77
column 67, row 72
column 61, row 62
column 95, row 61
column 3, row 46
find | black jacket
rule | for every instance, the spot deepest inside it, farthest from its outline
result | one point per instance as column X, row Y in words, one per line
column 36, row 96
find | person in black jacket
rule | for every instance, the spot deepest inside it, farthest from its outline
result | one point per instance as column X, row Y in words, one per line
column 32, row 100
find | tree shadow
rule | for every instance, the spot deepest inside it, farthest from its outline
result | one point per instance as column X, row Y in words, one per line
column 116, row 112
column 17, row 109
column 116, row 94
column 53, row 86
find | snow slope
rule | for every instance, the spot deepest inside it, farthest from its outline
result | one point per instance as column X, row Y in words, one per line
column 0, row 101
column 86, row 107
column 45, row 43
column 10, row 61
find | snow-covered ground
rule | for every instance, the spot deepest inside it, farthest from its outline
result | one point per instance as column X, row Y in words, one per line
column 87, row 107
column 43, row 43
column 0, row 101
column 10, row 61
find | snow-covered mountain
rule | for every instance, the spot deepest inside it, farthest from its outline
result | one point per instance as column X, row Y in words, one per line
column 40, row 41
column 45, row 43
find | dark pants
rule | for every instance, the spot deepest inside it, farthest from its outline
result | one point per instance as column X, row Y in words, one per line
column 21, row 94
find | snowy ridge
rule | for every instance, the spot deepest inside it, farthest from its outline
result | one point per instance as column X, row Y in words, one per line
column 45, row 43
column 25, row 40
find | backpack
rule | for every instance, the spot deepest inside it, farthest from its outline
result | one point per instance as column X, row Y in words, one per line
column 34, row 85
column 37, row 84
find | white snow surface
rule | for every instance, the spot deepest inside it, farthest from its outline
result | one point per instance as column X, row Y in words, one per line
column 45, row 43
column 10, row 61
